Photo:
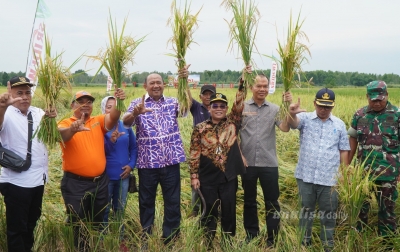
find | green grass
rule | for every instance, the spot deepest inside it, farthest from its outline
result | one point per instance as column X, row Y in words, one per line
column 54, row 235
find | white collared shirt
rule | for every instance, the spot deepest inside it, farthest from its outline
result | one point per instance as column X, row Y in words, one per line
column 14, row 136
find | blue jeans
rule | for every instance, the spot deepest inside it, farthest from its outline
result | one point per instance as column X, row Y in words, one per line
column 117, row 194
column 169, row 179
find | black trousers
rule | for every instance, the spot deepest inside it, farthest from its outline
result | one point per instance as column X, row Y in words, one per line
column 169, row 179
column 268, row 177
column 223, row 194
column 85, row 201
column 23, row 209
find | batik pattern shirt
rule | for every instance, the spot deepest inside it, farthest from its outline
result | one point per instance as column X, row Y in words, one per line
column 378, row 141
column 214, row 141
column 320, row 146
column 158, row 138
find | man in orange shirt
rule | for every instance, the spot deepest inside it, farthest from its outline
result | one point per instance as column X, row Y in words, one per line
column 84, row 185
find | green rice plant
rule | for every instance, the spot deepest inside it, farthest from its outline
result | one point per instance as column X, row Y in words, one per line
column 67, row 237
column 292, row 53
column 289, row 237
column 355, row 187
column 242, row 30
column 3, row 226
column 51, row 233
column 120, row 51
column 47, row 234
column 183, row 25
column 53, row 78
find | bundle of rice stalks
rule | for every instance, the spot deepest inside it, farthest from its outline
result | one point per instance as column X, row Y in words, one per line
column 292, row 56
column 183, row 26
column 53, row 78
column 242, row 31
column 119, row 52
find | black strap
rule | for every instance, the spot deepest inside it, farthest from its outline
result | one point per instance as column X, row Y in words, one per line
column 28, row 160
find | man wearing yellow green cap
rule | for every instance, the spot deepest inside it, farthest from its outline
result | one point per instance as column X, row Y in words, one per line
column 215, row 162
column 374, row 132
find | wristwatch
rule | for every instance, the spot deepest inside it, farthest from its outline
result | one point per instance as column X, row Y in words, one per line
column 194, row 176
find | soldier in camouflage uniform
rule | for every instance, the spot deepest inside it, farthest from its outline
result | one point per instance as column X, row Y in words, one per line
column 375, row 130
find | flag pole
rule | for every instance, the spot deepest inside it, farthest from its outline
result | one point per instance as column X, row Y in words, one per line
column 30, row 40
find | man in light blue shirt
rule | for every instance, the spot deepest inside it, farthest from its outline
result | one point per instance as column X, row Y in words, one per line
column 324, row 146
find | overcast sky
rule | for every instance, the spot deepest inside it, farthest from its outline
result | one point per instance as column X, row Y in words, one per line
column 344, row 35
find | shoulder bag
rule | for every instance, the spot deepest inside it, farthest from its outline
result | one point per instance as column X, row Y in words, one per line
column 10, row 160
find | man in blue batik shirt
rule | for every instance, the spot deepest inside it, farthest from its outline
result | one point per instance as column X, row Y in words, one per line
column 324, row 146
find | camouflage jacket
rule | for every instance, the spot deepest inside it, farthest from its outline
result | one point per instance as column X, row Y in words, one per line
column 378, row 141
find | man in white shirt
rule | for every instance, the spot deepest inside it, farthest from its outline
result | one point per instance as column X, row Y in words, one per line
column 22, row 191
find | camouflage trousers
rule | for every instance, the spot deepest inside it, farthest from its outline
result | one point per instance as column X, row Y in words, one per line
column 386, row 195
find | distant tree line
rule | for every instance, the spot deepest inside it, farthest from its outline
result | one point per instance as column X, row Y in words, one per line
column 317, row 77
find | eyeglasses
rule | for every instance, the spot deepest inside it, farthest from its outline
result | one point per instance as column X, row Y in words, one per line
column 216, row 106
column 324, row 107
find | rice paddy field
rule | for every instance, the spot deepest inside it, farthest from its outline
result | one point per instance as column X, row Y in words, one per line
column 53, row 234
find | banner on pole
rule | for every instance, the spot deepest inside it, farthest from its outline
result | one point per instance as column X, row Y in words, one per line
column 272, row 78
column 193, row 79
column 109, row 83
column 36, row 44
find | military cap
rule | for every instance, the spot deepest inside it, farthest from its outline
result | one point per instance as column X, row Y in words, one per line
column 20, row 80
column 218, row 97
column 377, row 90
column 325, row 97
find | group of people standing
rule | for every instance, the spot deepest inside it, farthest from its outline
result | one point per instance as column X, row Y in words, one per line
column 326, row 149
column 99, row 152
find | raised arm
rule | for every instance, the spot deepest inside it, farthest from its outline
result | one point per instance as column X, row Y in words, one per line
column 292, row 119
column 184, row 74
column 111, row 119
column 139, row 108
column 68, row 132
column 6, row 100
column 284, row 126
column 238, row 105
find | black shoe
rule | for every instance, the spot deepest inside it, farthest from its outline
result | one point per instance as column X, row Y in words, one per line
column 306, row 243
